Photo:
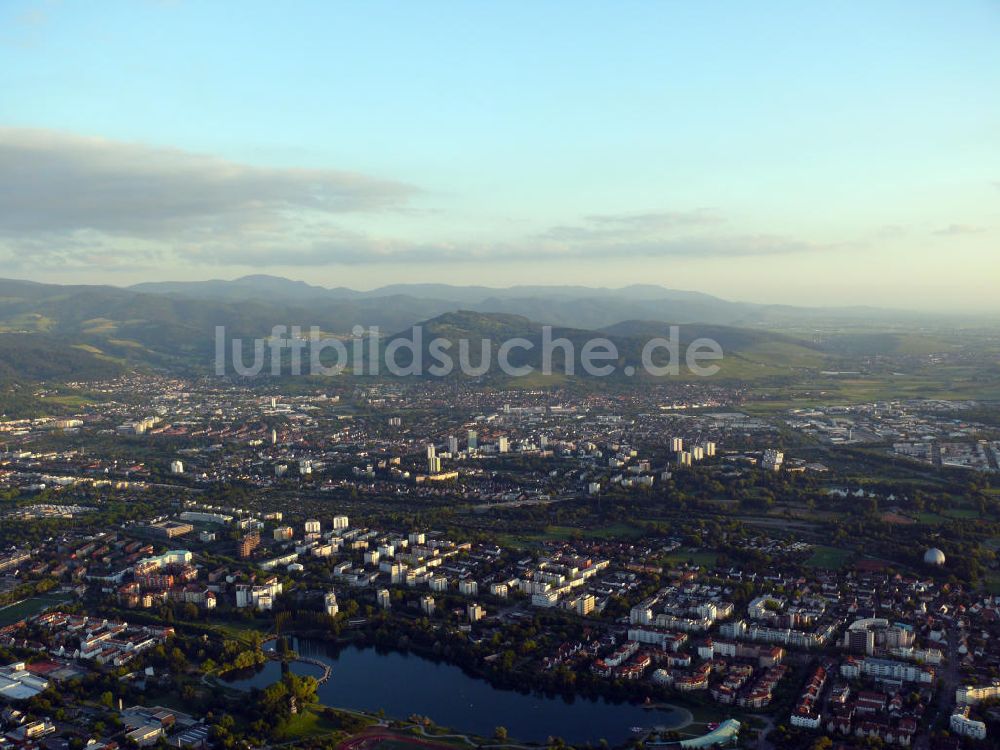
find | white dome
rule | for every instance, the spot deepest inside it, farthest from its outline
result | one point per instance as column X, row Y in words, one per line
column 934, row 556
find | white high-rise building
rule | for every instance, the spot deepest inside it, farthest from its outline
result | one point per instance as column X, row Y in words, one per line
column 330, row 604
column 709, row 448
column 503, row 445
column 453, row 445
column 340, row 522
column 433, row 461
column 383, row 598
column 676, row 444
column 176, row 467
column 473, row 440
column 313, row 526
column 258, row 596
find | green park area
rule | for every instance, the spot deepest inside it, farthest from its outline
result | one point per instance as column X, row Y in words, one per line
column 831, row 558
column 564, row 533
column 30, row 607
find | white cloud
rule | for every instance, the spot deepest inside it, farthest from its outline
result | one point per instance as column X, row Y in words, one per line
column 954, row 230
column 59, row 182
column 72, row 202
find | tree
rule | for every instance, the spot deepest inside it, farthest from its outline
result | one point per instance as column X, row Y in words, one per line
column 500, row 733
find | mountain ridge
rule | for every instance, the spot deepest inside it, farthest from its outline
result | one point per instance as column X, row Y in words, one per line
column 134, row 326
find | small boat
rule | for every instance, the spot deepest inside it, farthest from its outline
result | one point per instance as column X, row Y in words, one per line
column 638, row 730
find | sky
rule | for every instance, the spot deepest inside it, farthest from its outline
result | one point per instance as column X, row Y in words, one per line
column 802, row 153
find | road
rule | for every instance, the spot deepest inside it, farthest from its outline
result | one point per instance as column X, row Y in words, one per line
column 948, row 677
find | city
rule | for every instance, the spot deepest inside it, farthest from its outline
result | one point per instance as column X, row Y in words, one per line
column 661, row 547
column 523, row 375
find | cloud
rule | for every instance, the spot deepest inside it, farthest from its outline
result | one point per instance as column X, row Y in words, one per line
column 954, row 230
column 335, row 248
column 889, row 232
column 71, row 203
column 351, row 249
column 59, row 182
column 603, row 227
column 659, row 220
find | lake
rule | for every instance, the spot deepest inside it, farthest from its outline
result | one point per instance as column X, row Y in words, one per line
column 404, row 684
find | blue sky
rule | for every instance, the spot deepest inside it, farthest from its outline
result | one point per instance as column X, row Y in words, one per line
column 790, row 152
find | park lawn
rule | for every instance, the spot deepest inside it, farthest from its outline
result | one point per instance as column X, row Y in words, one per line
column 832, row 558
column 613, row 530
column 961, row 513
column 538, row 380
column 239, row 631
column 993, row 583
column 69, row 399
column 306, row 723
column 562, row 533
column 702, row 557
column 401, row 742
column 30, row 607
column 393, row 744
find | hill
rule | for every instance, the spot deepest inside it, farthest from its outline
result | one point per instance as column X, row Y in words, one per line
column 747, row 354
column 172, row 325
column 38, row 357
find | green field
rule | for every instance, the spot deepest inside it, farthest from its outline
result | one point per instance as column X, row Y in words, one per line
column 614, row 530
column 69, row 399
column 832, row 558
column 704, row 558
column 951, row 514
column 306, row 723
column 964, row 514
column 538, row 380
column 993, row 583
column 945, row 382
column 562, row 533
column 30, row 607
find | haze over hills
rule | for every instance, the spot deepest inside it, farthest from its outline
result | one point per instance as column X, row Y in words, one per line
column 266, row 284
column 557, row 305
column 172, row 324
